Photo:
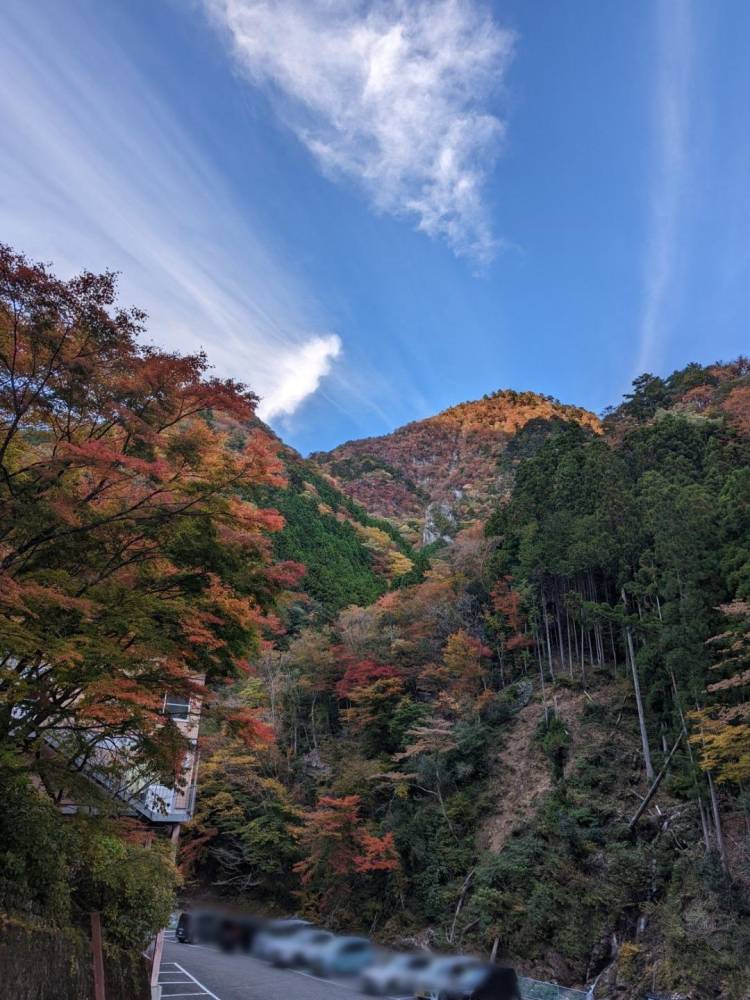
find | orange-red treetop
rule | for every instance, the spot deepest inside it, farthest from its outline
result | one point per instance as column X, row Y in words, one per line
column 132, row 553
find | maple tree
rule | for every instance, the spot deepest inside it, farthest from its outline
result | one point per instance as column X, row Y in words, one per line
column 338, row 850
column 130, row 559
column 466, row 658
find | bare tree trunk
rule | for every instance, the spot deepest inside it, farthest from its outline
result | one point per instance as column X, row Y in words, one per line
column 745, row 812
column 460, row 903
column 704, row 823
column 570, row 651
column 559, row 635
column 614, row 648
column 541, row 677
column 599, row 642
column 701, row 806
column 312, row 722
column 591, row 650
column 638, row 700
column 546, row 630
column 717, row 823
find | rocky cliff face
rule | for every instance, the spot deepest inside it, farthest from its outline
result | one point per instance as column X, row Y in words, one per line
column 434, row 474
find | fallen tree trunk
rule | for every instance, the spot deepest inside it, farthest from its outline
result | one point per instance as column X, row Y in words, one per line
column 657, row 781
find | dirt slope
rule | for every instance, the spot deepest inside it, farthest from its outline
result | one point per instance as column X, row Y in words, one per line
column 520, row 773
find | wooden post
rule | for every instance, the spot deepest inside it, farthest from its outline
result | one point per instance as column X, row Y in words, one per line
column 156, row 959
column 96, row 948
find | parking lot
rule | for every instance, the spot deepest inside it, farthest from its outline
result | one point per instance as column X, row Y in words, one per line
column 204, row 972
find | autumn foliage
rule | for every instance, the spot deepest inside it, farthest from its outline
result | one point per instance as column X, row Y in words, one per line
column 338, row 850
column 131, row 559
column 451, row 457
column 722, row 729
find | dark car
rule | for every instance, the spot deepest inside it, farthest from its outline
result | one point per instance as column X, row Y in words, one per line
column 237, row 931
column 248, row 928
column 197, row 926
column 185, row 928
column 498, row 984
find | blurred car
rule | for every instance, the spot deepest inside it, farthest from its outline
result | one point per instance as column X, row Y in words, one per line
column 273, row 932
column 184, row 928
column 343, row 956
column 395, row 974
column 237, row 931
column 301, row 948
column 197, row 927
column 249, row 928
column 498, row 983
column 454, row 977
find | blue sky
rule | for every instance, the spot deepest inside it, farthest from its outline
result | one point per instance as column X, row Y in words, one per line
column 371, row 210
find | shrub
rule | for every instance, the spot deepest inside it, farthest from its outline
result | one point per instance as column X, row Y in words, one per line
column 554, row 739
column 34, row 847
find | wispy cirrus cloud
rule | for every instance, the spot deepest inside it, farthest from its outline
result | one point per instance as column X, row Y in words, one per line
column 671, row 120
column 395, row 94
column 98, row 173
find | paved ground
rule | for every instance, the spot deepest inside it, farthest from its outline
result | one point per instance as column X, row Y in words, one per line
column 208, row 974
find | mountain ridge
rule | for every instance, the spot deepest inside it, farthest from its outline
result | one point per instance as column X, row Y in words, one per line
column 430, row 476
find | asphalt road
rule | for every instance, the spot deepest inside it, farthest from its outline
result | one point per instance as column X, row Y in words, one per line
column 208, row 974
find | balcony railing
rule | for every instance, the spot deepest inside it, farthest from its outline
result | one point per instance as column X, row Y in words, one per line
column 152, row 800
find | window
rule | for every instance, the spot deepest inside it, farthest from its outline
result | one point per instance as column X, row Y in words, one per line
column 176, row 706
column 353, row 947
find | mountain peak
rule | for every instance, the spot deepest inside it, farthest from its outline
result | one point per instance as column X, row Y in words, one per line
column 508, row 411
column 433, row 474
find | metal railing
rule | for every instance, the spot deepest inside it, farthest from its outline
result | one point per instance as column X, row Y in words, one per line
column 537, row 989
column 137, row 790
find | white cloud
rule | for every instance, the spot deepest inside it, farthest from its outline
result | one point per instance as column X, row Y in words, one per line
column 394, row 93
column 98, row 173
column 300, row 371
column 671, row 173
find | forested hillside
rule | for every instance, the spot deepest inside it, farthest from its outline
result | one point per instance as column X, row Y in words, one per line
column 350, row 556
column 433, row 474
column 530, row 738
column 543, row 746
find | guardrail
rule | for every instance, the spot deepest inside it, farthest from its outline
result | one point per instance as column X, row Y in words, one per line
column 537, row 989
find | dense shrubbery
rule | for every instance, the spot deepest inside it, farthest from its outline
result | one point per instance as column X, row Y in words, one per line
column 34, row 850
column 58, row 869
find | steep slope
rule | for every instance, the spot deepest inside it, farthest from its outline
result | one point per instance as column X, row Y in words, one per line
column 479, row 730
column 433, row 474
column 350, row 557
column 519, row 773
